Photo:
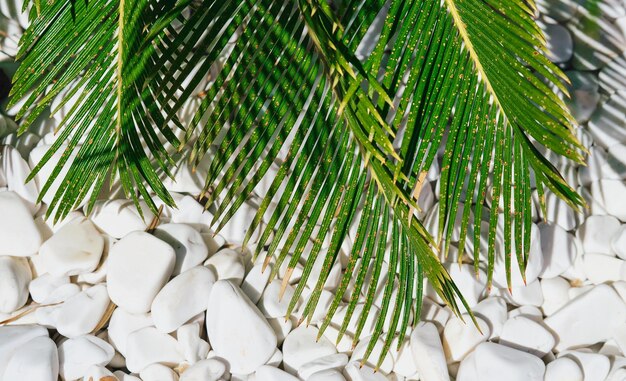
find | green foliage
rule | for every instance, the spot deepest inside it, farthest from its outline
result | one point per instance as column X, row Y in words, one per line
column 468, row 77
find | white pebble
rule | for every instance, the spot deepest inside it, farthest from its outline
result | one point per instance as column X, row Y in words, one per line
column 227, row 264
column 594, row 233
column 355, row 372
column 558, row 248
column 191, row 345
column 78, row 354
column 36, row 360
column 333, row 361
column 237, row 330
column 272, row 304
column 555, row 294
column 601, row 268
column 187, row 243
column 99, row 372
column 15, row 275
column 618, row 242
column 271, row 373
column 358, row 355
column 327, row 375
column 158, row 372
column 139, row 265
column 75, row 249
column 594, row 365
column 428, row 354
column 122, row 324
column 490, row 362
column 119, row 218
column 147, row 346
column 19, row 235
column 460, row 338
column 182, row 298
column 563, row 368
column 255, row 282
column 301, row 346
column 527, row 335
column 205, row 370
column 42, row 286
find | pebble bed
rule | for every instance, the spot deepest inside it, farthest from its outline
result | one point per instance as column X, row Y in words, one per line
column 99, row 298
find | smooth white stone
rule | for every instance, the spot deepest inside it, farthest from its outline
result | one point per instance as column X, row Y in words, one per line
column 555, row 294
column 606, row 124
column 594, row 233
column 100, row 373
column 527, row 335
column 344, row 345
column 100, row 273
column 158, row 372
column 227, row 264
column 191, row 212
column 558, row 248
column 271, row 373
column 236, row 228
column 15, row 275
column 296, row 272
column 575, row 292
column 281, row 328
column 321, row 308
column 14, row 336
column 121, row 376
column 182, row 298
column 534, row 267
column 460, row 338
column 613, row 76
column 78, row 354
column 355, row 372
column 465, row 278
column 434, row 313
column 61, row 294
column 609, row 194
column 601, row 268
column 122, row 324
column 334, row 275
column 492, row 361
column 187, row 243
column 42, row 286
column 559, row 42
column 80, row 313
column 428, row 354
column 404, row 364
column 584, row 94
column 272, row 304
column 36, row 360
column 358, row 355
column 530, row 312
column 191, row 345
column 276, row 358
column 559, row 212
column 620, row 287
column 301, row 346
column 370, row 320
column 255, row 282
column 119, row 218
column 618, row 242
column 16, row 222
column 563, row 368
column 147, row 346
column 25, row 143
column 525, row 295
column 590, row 318
column 334, row 361
column 595, row 366
column 139, row 265
column 16, row 171
column 205, row 370
column 237, row 330
column 75, row 249
column 493, row 311
column 327, row 375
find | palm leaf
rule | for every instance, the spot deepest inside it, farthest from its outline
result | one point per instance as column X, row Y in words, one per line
column 285, row 85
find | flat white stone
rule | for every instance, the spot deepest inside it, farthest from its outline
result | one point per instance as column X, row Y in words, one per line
column 529, row 295
column 618, row 242
column 465, row 278
column 227, row 264
column 16, row 221
column 601, row 268
column 493, row 311
column 61, row 294
column 272, row 304
column 14, row 336
column 590, row 318
column 79, row 314
column 555, row 294
column 334, row 361
column 327, row 375
column 460, row 338
column 563, row 368
column 237, row 226
column 187, row 243
column 205, row 370
column 281, row 328
column 75, row 249
column 276, row 359
column 16, row 171
column 139, row 265
column 527, row 335
column 606, row 125
column 122, row 324
column 558, row 248
column 594, row 233
column 121, row 376
column 36, row 360
column 594, row 365
column 147, row 346
column 301, row 346
column 78, row 354
column 358, row 355
column 119, row 218
column 191, row 345
column 237, row 330
column 491, row 361
column 271, row 373
column 158, row 372
column 182, row 298
column 100, row 273
column 255, row 282
column 42, row 286
column 15, row 275
column 434, row 313
column 428, row 354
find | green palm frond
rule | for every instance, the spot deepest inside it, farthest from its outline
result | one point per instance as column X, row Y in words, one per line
column 282, row 82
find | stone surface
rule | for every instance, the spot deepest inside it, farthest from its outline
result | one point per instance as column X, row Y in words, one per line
column 237, row 330
column 187, row 243
column 563, row 368
column 139, row 266
column 301, row 346
column 147, row 346
column 527, row 335
column 16, row 220
column 428, row 354
column 77, row 355
column 491, row 361
column 36, row 360
column 15, row 275
column 227, row 264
